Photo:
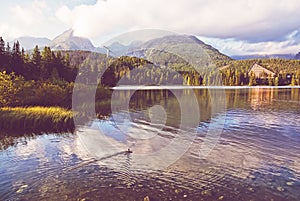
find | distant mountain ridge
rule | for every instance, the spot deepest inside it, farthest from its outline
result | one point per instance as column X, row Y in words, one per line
column 28, row 42
column 297, row 56
column 67, row 41
column 64, row 41
column 118, row 49
column 264, row 56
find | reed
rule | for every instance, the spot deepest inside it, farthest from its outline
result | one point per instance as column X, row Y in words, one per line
column 36, row 119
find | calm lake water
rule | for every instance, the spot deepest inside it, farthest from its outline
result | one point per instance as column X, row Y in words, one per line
column 253, row 152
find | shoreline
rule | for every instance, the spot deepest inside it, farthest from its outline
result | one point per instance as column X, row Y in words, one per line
column 161, row 87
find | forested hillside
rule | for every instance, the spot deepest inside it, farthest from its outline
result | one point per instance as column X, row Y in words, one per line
column 236, row 72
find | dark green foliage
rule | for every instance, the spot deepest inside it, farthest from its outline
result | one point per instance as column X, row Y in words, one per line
column 120, row 68
column 135, row 71
column 45, row 65
column 16, row 91
column 10, row 87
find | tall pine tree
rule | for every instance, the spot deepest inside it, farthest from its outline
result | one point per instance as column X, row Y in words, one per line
column 35, row 68
column 17, row 62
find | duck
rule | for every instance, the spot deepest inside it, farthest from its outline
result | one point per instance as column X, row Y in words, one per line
column 128, row 151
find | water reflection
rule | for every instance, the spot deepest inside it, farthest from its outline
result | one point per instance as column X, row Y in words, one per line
column 257, row 156
column 260, row 97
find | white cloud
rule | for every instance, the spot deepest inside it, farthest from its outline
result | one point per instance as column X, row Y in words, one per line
column 39, row 6
column 65, row 15
column 234, row 47
column 25, row 16
column 8, row 32
column 29, row 18
column 238, row 26
column 29, row 15
column 253, row 20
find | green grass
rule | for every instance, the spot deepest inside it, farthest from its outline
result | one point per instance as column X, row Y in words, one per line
column 36, row 119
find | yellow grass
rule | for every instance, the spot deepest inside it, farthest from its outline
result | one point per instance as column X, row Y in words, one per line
column 36, row 119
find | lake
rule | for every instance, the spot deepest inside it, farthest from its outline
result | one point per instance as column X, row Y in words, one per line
column 187, row 144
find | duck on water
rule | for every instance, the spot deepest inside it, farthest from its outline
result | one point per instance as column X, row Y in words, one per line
column 128, row 151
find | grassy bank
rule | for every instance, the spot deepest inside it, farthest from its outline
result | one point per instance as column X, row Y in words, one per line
column 36, row 119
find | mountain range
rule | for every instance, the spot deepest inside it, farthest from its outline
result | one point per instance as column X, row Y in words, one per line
column 67, row 41
column 265, row 56
column 28, row 42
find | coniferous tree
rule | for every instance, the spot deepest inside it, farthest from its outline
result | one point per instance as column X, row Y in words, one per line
column 2, row 46
column 35, row 68
column 36, row 56
column 47, row 65
column 8, row 58
column 2, row 54
column 7, row 48
column 23, row 54
column 17, row 62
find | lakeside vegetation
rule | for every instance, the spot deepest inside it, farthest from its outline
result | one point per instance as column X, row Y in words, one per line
column 36, row 119
column 35, row 90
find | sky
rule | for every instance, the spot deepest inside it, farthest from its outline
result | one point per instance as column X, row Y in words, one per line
column 234, row 27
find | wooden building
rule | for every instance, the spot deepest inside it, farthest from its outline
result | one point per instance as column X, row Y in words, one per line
column 260, row 72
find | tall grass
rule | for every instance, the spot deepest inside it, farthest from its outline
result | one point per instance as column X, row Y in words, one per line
column 36, row 119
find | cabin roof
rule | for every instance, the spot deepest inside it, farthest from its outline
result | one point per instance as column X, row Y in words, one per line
column 224, row 67
column 259, row 71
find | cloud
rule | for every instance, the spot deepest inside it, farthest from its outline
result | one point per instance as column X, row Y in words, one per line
column 29, row 15
column 23, row 15
column 233, row 26
column 64, row 14
column 29, row 18
column 238, row 47
column 252, row 21
column 8, row 32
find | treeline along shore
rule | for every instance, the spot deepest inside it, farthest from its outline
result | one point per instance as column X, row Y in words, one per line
column 36, row 86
